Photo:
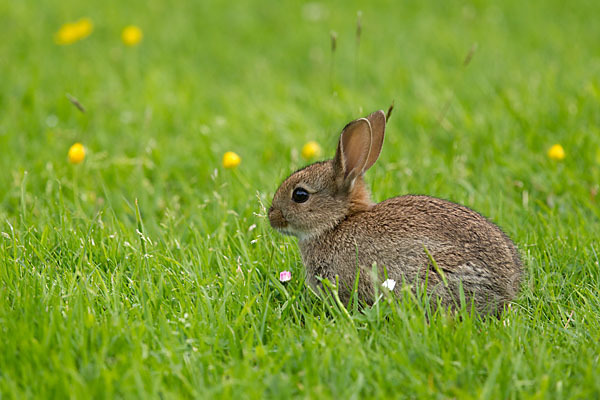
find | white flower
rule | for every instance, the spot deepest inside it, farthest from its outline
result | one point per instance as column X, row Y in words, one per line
column 389, row 284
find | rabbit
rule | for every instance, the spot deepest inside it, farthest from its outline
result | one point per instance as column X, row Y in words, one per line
column 444, row 246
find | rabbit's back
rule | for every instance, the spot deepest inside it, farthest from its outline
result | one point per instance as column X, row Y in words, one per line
column 403, row 234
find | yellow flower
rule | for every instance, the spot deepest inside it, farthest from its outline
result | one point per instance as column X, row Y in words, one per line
column 131, row 35
column 556, row 152
column 73, row 31
column 76, row 153
column 311, row 150
column 231, row 160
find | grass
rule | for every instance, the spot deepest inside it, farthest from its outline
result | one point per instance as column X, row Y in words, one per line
column 150, row 271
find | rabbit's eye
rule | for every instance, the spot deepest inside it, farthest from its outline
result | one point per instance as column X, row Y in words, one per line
column 300, row 195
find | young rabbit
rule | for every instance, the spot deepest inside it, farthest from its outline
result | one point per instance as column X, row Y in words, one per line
column 327, row 206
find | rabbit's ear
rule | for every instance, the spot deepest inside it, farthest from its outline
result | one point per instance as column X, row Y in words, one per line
column 352, row 152
column 377, row 120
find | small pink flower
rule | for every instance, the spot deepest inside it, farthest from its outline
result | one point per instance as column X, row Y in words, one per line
column 285, row 276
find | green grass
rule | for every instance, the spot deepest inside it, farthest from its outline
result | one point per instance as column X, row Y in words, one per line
column 96, row 301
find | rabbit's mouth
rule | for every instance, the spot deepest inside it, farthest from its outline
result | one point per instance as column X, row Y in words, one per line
column 282, row 225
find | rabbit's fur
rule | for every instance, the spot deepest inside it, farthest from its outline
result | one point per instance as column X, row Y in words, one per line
column 341, row 232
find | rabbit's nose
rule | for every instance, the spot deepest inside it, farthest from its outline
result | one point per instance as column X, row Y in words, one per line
column 276, row 218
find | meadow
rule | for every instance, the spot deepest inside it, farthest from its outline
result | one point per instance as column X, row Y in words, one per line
column 150, row 271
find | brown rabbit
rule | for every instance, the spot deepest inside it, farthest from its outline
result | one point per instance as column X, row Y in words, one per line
column 327, row 206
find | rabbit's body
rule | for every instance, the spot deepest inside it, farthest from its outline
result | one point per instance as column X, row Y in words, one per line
column 328, row 207
column 466, row 247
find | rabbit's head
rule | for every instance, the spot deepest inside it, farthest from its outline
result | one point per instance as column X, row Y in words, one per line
column 316, row 198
